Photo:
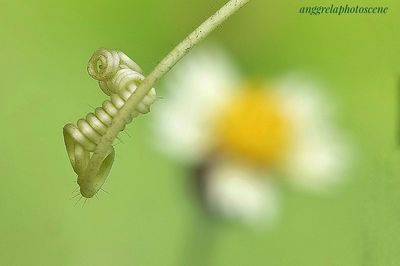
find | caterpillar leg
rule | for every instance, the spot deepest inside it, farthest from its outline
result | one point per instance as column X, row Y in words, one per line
column 79, row 152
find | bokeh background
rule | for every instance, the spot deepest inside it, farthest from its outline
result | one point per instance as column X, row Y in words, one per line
column 148, row 218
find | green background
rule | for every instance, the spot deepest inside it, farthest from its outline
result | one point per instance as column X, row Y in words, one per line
column 149, row 218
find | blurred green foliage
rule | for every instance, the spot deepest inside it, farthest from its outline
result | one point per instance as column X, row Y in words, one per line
column 44, row 47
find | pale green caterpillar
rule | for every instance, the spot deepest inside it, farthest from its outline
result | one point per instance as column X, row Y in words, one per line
column 89, row 143
column 118, row 77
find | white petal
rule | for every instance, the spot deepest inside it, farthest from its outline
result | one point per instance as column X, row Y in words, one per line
column 240, row 193
column 305, row 103
column 317, row 164
column 319, row 155
column 195, row 90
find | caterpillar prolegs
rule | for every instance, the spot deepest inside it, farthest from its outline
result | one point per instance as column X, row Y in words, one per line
column 118, row 76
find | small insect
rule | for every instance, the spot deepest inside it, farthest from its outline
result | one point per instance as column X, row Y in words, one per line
column 118, row 76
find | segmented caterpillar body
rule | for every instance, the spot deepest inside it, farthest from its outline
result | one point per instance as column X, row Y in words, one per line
column 118, row 77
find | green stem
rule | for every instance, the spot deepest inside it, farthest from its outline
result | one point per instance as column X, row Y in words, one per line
column 201, row 241
column 159, row 71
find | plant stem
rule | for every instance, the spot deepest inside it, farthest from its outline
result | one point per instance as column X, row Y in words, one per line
column 201, row 241
column 160, row 70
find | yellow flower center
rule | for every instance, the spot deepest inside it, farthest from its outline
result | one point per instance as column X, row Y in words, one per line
column 253, row 127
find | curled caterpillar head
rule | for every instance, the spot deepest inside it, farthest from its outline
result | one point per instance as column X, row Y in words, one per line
column 104, row 64
column 118, row 77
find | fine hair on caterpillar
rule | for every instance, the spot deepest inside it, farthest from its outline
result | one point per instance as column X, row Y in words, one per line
column 118, row 77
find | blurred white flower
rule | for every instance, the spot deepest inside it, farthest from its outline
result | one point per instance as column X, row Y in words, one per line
column 247, row 132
